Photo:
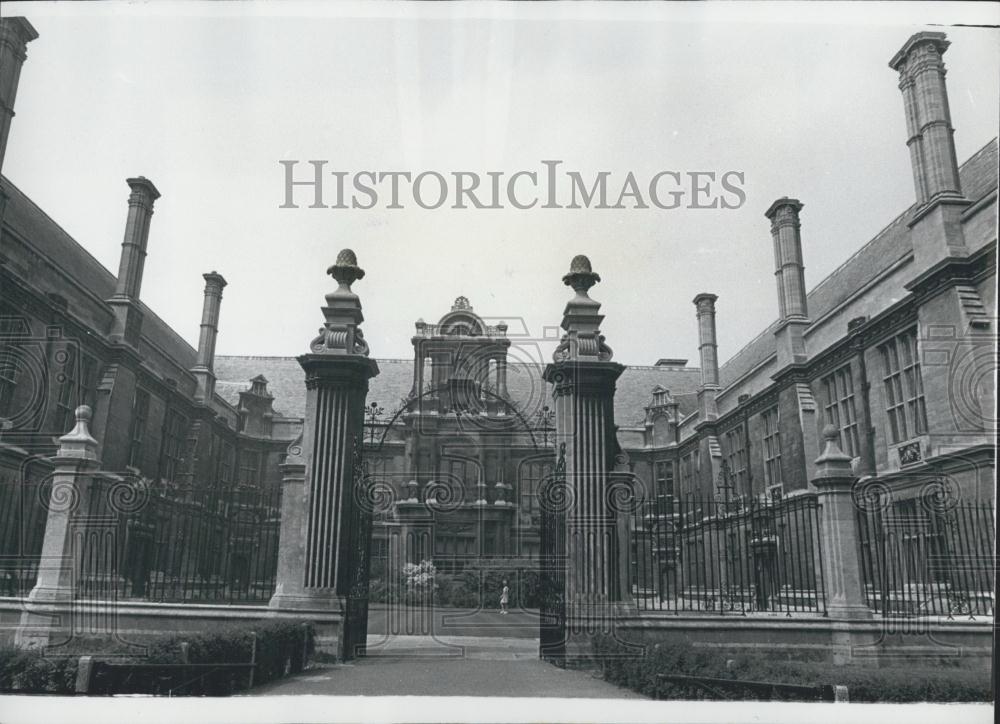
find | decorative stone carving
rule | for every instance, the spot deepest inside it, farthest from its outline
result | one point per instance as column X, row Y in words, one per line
column 583, row 340
column 341, row 333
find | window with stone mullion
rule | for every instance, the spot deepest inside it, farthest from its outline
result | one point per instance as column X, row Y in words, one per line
column 772, row 448
column 140, row 411
column 840, row 409
column 227, row 459
column 665, row 480
column 914, row 384
column 173, row 433
column 249, row 467
column 904, row 390
column 737, row 458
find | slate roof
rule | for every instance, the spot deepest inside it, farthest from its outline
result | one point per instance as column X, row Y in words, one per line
column 49, row 238
column 286, row 381
column 978, row 176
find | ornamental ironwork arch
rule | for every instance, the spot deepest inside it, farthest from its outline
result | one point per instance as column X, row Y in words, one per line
column 408, row 403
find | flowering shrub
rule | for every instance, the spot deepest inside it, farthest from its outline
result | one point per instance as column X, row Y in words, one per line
column 418, row 578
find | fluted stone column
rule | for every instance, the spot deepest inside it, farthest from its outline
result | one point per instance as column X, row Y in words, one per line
column 15, row 34
column 323, row 532
column 75, row 462
column 928, row 118
column 583, row 378
column 842, row 574
column 708, row 353
column 127, row 322
column 936, row 225
column 790, row 275
column 204, row 369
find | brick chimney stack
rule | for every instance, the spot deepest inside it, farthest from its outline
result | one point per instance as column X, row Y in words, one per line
column 790, row 275
column 932, row 149
column 127, row 323
column 204, row 370
column 15, row 34
column 708, row 352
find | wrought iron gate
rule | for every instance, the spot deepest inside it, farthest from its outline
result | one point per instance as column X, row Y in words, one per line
column 355, row 584
column 554, row 499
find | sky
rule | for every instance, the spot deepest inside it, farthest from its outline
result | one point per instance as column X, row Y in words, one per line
column 205, row 102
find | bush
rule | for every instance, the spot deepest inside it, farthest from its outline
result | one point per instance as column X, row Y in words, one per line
column 28, row 671
column 472, row 587
column 891, row 684
column 480, row 586
column 279, row 651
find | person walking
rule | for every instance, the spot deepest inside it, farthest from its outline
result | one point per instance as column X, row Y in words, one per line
column 504, row 597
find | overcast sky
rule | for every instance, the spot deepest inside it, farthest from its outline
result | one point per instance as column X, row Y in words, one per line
column 206, row 106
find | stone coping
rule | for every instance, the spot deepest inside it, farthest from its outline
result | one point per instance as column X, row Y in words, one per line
column 662, row 619
column 179, row 610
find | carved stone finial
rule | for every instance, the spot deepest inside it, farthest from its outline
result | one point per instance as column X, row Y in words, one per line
column 581, row 319
column 341, row 333
column 461, row 304
column 78, row 443
column 833, row 463
column 346, row 270
column 581, row 275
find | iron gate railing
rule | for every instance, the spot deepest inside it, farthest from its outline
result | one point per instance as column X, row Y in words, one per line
column 737, row 557
column 554, row 499
column 22, row 528
column 928, row 555
column 182, row 544
column 136, row 540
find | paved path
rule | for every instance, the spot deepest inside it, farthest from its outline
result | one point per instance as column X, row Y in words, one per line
column 447, row 666
column 519, row 623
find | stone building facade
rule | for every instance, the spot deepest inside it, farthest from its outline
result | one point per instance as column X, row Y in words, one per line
column 73, row 333
column 472, row 427
column 895, row 349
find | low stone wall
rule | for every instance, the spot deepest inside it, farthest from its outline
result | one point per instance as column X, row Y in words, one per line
column 53, row 624
column 874, row 642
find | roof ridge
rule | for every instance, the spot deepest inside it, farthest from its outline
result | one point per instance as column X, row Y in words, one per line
column 252, row 357
column 892, row 223
column 59, row 226
column 975, row 156
column 148, row 312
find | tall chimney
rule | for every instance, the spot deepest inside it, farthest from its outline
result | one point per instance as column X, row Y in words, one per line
column 928, row 118
column 932, row 149
column 708, row 348
column 790, row 275
column 15, row 34
column 127, row 323
column 708, row 351
column 204, row 370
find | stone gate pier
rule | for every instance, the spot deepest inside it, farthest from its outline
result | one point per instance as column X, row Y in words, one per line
column 583, row 379
column 322, row 556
